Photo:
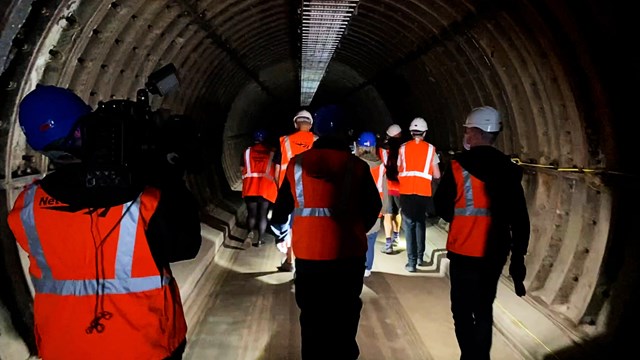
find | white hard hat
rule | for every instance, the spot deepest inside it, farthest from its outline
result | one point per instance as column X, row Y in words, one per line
column 484, row 118
column 303, row 115
column 418, row 124
column 394, row 130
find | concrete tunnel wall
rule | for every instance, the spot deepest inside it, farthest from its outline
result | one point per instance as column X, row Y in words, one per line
column 555, row 69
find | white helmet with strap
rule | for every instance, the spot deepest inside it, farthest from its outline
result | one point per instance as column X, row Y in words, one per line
column 303, row 115
column 418, row 125
column 394, row 130
column 484, row 118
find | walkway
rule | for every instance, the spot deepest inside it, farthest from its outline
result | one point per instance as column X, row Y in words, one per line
column 252, row 312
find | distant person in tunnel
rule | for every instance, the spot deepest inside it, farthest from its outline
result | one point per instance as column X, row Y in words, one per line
column 366, row 150
column 291, row 145
column 335, row 202
column 388, row 152
column 417, row 168
column 99, row 256
column 481, row 196
column 260, row 169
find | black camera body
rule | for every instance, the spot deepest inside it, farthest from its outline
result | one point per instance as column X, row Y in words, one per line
column 125, row 143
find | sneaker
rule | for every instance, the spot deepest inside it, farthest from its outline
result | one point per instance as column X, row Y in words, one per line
column 258, row 243
column 367, row 273
column 248, row 241
column 410, row 268
column 285, row 267
column 387, row 250
column 395, row 238
column 422, row 263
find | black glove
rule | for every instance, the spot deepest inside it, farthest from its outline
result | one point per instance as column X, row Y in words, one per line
column 518, row 272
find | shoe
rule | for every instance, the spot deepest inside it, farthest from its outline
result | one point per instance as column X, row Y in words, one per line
column 285, row 267
column 410, row 268
column 258, row 243
column 422, row 263
column 387, row 250
column 395, row 238
column 367, row 273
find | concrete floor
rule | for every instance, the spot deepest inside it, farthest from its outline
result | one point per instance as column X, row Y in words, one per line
column 251, row 313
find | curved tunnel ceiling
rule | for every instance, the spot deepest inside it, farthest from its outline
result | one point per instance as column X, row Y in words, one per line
column 555, row 70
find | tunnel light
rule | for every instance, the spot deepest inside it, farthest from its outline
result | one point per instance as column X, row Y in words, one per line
column 323, row 24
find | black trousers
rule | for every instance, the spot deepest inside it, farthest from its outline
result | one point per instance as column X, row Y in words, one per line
column 473, row 289
column 328, row 296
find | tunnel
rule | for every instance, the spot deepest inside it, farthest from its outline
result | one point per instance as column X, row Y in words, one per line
column 562, row 73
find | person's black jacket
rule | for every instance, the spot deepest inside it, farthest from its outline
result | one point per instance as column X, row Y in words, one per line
column 510, row 228
column 173, row 232
column 366, row 197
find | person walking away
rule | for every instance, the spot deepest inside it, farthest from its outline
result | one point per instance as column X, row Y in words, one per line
column 290, row 145
column 417, row 167
column 388, row 152
column 99, row 256
column 366, row 150
column 335, row 202
column 481, row 196
column 259, row 185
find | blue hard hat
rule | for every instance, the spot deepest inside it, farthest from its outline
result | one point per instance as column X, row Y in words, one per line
column 367, row 138
column 48, row 114
column 259, row 136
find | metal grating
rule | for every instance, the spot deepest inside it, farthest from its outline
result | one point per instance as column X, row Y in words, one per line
column 323, row 24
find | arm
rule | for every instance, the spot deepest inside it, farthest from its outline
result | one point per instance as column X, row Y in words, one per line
column 520, row 232
column 282, row 209
column 371, row 204
column 444, row 197
column 174, row 228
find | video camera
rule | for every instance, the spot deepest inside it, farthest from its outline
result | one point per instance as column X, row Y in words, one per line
column 125, row 143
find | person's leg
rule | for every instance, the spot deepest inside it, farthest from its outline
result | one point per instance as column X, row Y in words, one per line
column 371, row 244
column 396, row 218
column 409, row 225
column 483, row 311
column 309, row 285
column 261, row 219
column 421, row 227
column 348, row 283
column 464, row 284
column 252, row 212
column 287, row 262
column 388, row 225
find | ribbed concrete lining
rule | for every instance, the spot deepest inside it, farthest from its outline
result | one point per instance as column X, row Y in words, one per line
column 238, row 65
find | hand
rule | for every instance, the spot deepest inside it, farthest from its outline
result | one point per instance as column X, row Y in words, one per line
column 518, row 272
column 282, row 247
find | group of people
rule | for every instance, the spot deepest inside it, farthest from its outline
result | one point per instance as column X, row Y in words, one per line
column 337, row 199
column 107, row 278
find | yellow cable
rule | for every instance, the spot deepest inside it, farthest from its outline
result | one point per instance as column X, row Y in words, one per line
column 513, row 318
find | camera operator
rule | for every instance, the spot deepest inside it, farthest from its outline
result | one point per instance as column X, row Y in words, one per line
column 99, row 255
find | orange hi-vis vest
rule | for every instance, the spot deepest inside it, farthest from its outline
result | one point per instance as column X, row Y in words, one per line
column 98, row 291
column 415, row 167
column 259, row 173
column 323, row 227
column 378, row 176
column 469, row 228
column 292, row 145
column 392, row 186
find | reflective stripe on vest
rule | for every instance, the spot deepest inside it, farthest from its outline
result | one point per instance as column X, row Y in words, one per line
column 301, row 210
column 469, row 208
column 123, row 283
column 378, row 176
column 266, row 174
column 424, row 173
column 287, row 147
column 469, row 228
